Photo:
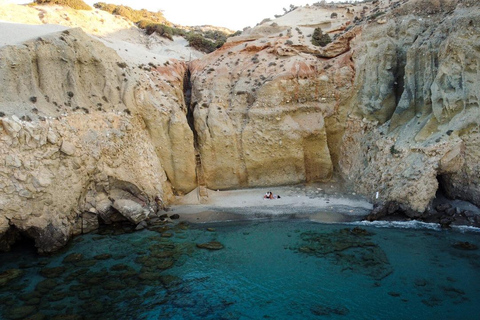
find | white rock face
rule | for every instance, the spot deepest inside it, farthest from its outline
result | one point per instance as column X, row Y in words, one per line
column 131, row 210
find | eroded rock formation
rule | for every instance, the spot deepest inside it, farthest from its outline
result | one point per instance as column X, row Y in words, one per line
column 421, row 116
column 391, row 106
column 84, row 138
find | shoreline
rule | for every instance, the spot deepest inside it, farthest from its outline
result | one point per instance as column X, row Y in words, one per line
column 318, row 202
column 321, row 202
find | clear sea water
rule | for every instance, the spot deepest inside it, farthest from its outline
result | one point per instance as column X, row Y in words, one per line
column 266, row 270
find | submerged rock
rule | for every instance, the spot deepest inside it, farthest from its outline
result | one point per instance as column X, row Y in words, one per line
column 103, row 256
column 9, row 275
column 464, row 245
column 21, row 312
column 321, row 310
column 212, row 245
column 352, row 249
column 46, row 286
column 52, row 272
column 74, row 257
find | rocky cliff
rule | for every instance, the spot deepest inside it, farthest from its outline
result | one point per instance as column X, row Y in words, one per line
column 390, row 106
column 85, row 137
column 417, row 92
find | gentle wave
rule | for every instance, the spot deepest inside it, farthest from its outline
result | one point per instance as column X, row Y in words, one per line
column 464, row 229
column 414, row 224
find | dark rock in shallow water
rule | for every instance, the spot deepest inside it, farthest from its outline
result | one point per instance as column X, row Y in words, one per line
column 30, row 295
column 21, row 312
column 46, row 286
column 170, row 281
column 57, row 296
column 212, row 245
column 443, row 207
column 165, row 264
column 360, row 232
column 149, row 276
column 39, row 316
column 351, row 249
column 85, row 263
column 174, row 216
column 328, row 311
column 167, row 235
column 432, row 302
column 94, row 307
column 119, row 267
column 162, row 254
column 33, row 302
column 9, row 275
column 68, row 317
column 74, row 257
column 113, row 285
column 48, row 239
column 465, row 245
column 52, row 272
column 420, row 282
column 142, row 225
column 445, row 222
column 103, row 256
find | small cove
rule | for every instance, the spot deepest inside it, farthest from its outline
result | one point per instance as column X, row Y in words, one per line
column 278, row 269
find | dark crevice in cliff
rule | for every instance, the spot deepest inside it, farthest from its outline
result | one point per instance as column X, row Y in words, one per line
column 441, row 190
column 187, row 96
column 187, row 93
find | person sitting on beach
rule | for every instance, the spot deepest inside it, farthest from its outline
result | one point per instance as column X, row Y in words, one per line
column 269, row 195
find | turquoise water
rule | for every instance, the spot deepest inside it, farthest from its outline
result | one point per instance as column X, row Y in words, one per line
column 266, row 270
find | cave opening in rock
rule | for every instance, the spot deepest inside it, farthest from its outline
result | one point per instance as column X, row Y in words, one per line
column 457, row 203
column 115, row 227
column 441, row 190
column 442, row 195
column 17, row 240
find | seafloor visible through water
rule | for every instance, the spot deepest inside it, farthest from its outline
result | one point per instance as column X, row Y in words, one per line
column 266, row 270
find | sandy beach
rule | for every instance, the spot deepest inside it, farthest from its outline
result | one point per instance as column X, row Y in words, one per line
column 319, row 202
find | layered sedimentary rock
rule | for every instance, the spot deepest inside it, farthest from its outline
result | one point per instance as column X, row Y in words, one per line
column 267, row 112
column 391, row 106
column 417, row 92
column 84, row 139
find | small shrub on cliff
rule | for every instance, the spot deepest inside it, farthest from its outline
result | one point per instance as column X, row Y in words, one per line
column 74, row 4
column 376, row 15
column 200, row 43
column 131, row 14
column 216, row 35
column 394, row 151
column 162, row 30
column 319, row 38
